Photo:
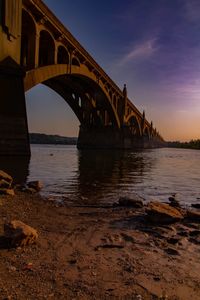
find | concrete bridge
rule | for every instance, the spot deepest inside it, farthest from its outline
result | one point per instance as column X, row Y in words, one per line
column 36, row 48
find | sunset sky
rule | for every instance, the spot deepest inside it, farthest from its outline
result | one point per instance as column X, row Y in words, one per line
column 151, row 45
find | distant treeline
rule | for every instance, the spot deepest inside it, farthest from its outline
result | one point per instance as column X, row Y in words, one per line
column 41, row 138
column 193, row 144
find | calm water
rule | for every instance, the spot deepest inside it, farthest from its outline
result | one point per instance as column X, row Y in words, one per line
column 100, row 177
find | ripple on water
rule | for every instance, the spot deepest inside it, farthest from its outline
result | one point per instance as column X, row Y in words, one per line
column 100, row 177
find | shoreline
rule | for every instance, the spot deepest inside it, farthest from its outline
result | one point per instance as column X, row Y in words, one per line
column 96, row 253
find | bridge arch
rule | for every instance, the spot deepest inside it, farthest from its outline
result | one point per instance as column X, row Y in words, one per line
column 63, row 55
column 65, row 84
column 135, row 126
column 146, row 132
column 75, row 61
column 46, row 49
column 28, row 41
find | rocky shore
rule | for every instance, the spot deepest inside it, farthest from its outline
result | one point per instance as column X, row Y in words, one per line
column 130, row 250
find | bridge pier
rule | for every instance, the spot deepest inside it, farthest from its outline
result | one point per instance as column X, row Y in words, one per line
column 99, row 138
column 112, row 138
column 14, row 139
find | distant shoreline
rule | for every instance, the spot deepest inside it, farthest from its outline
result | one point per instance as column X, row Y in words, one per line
column 49, row 139
column 193, row 144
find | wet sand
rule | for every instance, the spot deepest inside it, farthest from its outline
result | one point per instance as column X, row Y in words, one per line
column 97, row 253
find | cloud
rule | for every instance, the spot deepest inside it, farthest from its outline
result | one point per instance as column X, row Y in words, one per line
column 182, row 111
column 140, row 51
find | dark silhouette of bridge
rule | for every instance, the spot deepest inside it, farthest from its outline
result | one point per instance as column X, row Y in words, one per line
column 36, row 48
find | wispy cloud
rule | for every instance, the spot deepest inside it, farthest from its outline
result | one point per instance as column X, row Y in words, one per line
column 182, row 111
column 184, row 96
column 140, row 51
column 190, row 91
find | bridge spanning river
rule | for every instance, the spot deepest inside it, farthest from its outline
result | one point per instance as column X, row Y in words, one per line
column 36, row 48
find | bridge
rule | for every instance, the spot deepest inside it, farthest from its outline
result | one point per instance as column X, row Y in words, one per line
column 36, row 48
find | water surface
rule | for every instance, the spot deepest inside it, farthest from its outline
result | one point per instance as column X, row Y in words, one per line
column 100, row 177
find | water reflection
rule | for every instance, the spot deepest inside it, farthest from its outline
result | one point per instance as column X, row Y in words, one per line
column 16, row 166
column 101, row 174
column 81, row 176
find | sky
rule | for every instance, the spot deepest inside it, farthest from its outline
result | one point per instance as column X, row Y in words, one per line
column 151, row 45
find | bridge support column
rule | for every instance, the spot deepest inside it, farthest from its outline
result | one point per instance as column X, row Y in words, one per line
column 139, row 142
column 99, row 138
column 14, row 138
column 112, row 138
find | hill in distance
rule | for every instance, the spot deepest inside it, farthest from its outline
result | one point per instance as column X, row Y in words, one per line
column 41, row 138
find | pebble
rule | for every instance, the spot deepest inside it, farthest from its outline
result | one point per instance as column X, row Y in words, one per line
column 173, row 240
column 172, row 251
column 12, row 269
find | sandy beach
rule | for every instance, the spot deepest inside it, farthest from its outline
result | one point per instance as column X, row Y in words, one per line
column 97, row 253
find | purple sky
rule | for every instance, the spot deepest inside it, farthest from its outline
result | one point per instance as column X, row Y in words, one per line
column 151, row 45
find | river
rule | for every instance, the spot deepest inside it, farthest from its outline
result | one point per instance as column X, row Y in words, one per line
column 100, row 177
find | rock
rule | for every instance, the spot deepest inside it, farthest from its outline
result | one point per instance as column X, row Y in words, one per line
column 37, row 185
column 136, row 201
column 30, row 190
column 193, row 215
column 28, row 266
column 194, row 233
column 4, row 184
column 6, row 177
column 73, row 261
column 157, row 278
column 172, row 198
column 19, row 234
column 20, row 187
column 9, row 192
column 193, row 225
column 183, row 233
column 172, row 251
column 196, row 205
column 12, row 269
column 173, row 240
column 174, row 202
column 161, row 213
column 195, row 240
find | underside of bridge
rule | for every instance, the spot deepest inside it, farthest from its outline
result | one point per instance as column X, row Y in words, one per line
column 99, row 127
column 36, row 48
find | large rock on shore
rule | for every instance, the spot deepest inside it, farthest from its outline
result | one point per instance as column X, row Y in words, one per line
column 5, row 184
column 19, row 234
column 8, row 192
column 161, row 213
column 5, row 180
column 36, row 185
column 135, row 201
